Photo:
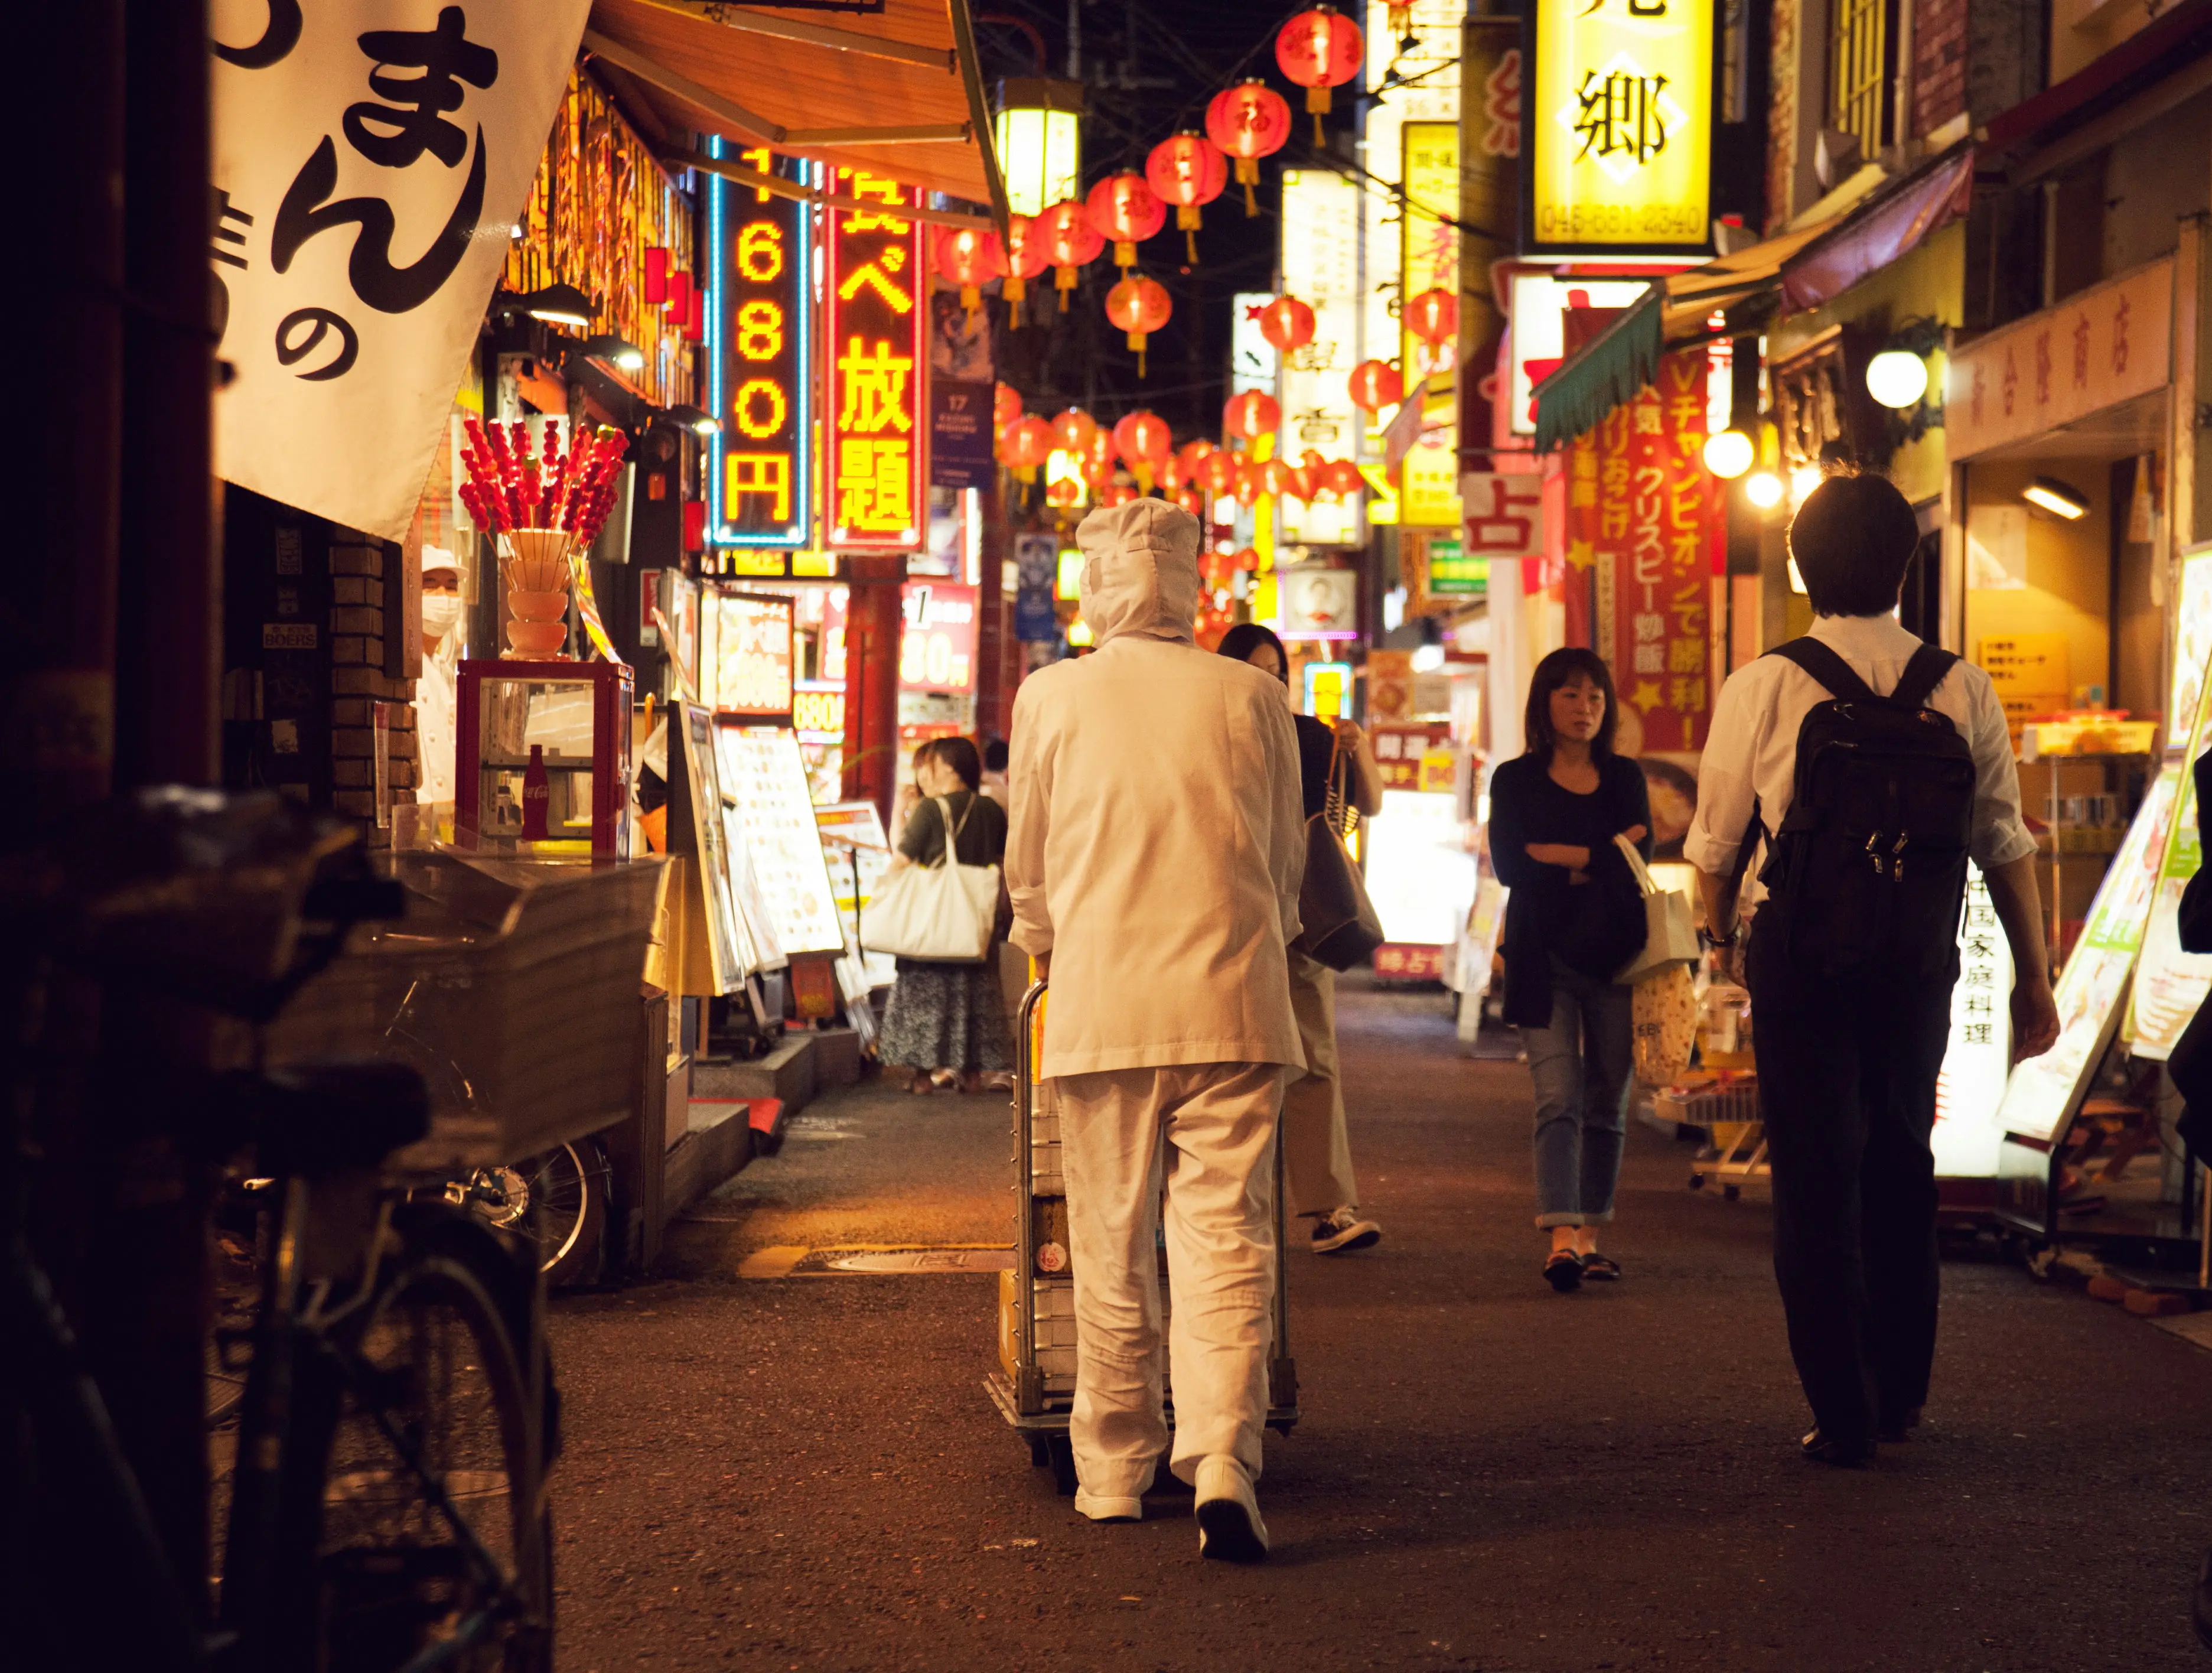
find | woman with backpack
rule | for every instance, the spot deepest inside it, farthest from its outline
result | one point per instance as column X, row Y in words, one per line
column 948, row 1022
column 1575, row 915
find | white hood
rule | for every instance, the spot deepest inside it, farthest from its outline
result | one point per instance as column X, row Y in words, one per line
column 1139, row 571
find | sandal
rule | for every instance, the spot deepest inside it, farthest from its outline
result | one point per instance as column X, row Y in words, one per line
column 921, row 1085
column 1604, row 1267
column 1563, row 1270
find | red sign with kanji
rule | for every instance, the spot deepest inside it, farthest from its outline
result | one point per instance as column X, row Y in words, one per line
column 877, row 306
column 1642, row 515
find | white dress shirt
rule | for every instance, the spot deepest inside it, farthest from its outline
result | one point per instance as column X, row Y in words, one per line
column 1753, row 746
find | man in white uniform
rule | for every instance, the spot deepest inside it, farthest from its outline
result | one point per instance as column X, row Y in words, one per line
column 1154, row 858
column 436, row 692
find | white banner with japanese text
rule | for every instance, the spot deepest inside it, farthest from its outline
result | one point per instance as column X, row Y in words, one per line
column 370, row 159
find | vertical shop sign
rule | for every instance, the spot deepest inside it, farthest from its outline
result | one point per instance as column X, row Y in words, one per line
column 1618, row 123
column 760, row 348
column 1641, row 514
column 1321, row 268
column 1428, row 494
column 1489, row 212
column 877, row 296
column 962, row 387
column 1251, row 357
column 1971, row 1085
column 1036, row 558
column 358, row 159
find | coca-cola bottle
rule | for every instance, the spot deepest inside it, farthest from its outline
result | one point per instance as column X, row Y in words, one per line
column 535, row 795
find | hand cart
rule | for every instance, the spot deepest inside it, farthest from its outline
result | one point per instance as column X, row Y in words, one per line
column 1034, row 1388
column 1736, row 1152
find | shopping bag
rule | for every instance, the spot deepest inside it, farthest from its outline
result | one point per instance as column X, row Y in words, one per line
column 944, row 913
column 1663, row 1022
column 1670, row 933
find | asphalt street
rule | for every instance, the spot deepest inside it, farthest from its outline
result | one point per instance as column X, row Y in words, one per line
column 805, row 1473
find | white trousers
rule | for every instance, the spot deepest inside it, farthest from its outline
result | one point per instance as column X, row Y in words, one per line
column 1206, row 1132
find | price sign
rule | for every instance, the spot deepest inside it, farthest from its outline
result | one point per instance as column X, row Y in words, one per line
column 877, row 292
column 762, row 468
column 937, row 650
column 752, row 656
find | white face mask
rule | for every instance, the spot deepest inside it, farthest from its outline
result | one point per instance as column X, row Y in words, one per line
column 442, row 612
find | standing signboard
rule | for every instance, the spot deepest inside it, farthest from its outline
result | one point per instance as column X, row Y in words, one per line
column 878, row 368
column 358, row 159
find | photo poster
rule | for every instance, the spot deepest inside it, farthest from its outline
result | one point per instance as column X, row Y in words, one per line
column 766, row 777
column 858, row 853
column 2169, row 984
column 731, row 954
column 2044, row 1092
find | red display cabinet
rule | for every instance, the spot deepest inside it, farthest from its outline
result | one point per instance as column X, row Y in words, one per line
column 575, row 718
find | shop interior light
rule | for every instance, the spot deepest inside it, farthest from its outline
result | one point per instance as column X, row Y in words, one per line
column 695, row 419
column 1427, row 658
column 1802, row 481
column 559, row 305
column 618, row 351
column 1897, row 378
column 2059, row 499
column 1078, row 632
column 1039, row 134
column 1764, row 490
column 1728, row 453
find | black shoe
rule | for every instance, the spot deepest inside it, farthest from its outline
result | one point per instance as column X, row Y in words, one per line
column 2200, row 1606
column 1897, row 1428
column 1563, row 1270
column 1603, row 1267
column 1843, row 1454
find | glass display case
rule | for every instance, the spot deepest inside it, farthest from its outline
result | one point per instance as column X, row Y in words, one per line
column 543, row 757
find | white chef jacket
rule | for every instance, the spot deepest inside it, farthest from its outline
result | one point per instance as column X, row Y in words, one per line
column 436, row 693
column 1753, row 746
column 1157, row 836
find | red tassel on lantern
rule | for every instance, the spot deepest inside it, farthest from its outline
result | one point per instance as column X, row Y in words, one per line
column 1248, row 121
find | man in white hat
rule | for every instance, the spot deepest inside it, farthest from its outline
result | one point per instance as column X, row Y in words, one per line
column 1154, row 858
column 436, row 690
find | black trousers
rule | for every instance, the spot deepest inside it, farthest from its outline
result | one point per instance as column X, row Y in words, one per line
column 1847, row 1090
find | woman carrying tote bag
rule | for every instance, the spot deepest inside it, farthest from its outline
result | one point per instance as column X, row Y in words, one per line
column 947, row 1022
column 1574, row 920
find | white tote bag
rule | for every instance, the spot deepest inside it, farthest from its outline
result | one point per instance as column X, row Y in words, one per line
column 944, row 913
column 1670, row 933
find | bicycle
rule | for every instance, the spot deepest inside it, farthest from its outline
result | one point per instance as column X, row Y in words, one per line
column 386, row 1506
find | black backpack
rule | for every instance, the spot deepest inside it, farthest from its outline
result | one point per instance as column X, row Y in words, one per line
column 1868, row 872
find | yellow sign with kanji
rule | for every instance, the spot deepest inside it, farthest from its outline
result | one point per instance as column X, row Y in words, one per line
column 878, row 365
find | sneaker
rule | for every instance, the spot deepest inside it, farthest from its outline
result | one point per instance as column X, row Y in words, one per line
column 1228, row 1525
column 1341, row 1230
column 1100, row 1508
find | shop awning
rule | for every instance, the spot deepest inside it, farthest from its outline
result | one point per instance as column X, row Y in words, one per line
column 896, row 92
column 1796, row 272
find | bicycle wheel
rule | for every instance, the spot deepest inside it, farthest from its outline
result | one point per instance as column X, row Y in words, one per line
column 429, row 1403
column 560, row 1195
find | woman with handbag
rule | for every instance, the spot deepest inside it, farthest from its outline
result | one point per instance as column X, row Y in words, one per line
column 947, row 1022
column 1317, row 1152
column 1575, row 917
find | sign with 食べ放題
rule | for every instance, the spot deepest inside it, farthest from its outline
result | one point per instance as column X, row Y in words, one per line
column 877, row 295
column 1617, row 105
column 369, row 157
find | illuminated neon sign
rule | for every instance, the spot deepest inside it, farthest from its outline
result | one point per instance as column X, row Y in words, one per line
column 878, row 304
column 761, row 466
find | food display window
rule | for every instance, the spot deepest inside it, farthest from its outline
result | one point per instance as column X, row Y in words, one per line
column 543, row 757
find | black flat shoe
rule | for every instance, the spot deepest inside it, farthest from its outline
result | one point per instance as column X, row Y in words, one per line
column 1603, row 1267
column 1564, row 1271
column 1843, row 1454
column 1897, row 1428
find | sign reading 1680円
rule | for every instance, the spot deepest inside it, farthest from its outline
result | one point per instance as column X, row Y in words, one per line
column 878, row 296
column 758, row 382
column 1618, row 108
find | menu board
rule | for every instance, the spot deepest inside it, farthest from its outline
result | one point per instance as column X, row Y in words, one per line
column 730, row 944
column 858, row 853
column 2044, row 1092
column 752, row 672
column 1971, row 1087
column 763, row 774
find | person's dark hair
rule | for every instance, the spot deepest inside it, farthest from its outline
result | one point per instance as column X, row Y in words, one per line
column 1852, row 539
column 1558, row 669
column 959, row 754
column 994, row 756
column 1241, row 640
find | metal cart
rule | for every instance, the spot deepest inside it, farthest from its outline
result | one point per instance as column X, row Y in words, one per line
column 1735, row 1154
column 1034, row 1388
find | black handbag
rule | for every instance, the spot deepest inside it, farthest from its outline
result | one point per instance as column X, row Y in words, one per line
column 1337, row 924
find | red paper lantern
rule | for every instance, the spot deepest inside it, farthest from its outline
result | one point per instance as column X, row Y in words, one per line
column 1070, row 240
column 1026, row 256
column 1341, row 478
column 1275, row 476
column 1187, row 169
column 1433, row 316
column 1287, row 323
column 1252, row 414
column 1098, row 473
column 1117, row 494
column 1073, row 431
column 1248, row 121
column 1218, row 470
column 1375, row 384
column 1318, row 49
column 1248, row 487
column 1191, row 501
column 1140, row 307
column 967, row 256
column 1121, row 206
column 1025, row 443
column 1143, row 439
column 1006, row 405
column 1190, row 453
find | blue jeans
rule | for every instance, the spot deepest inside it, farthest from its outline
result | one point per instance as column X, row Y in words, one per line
column 1581, row 1062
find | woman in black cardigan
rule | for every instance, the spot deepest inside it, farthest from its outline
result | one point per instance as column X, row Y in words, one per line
column 1574, row 917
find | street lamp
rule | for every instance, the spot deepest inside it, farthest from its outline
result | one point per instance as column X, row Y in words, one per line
column 1039, row 133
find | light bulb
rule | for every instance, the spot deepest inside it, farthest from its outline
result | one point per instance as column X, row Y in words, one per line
column 1427, row 658
column 1728, row 453
column 1764, row 490
column 1802, row 481
column 2057, row 498
column 1897, row 378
